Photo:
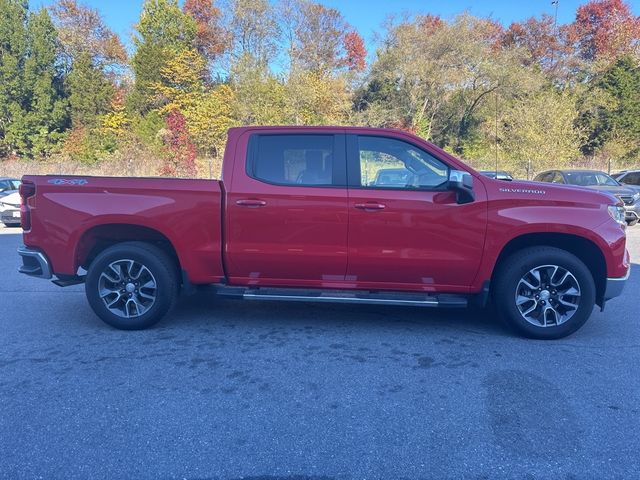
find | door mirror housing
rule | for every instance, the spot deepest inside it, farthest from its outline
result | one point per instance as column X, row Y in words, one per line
column 462, row 183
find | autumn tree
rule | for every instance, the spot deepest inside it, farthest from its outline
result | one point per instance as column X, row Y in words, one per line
column 543, row 43
column 207, row 112
column 254, row 32
column 323, row 51
column 355, row 52
column 211, row 39
column 82, row 30
column 181, row 152
column 604, row 29
column 319, row 39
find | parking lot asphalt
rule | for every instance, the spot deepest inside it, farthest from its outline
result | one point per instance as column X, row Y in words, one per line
column 225, row 389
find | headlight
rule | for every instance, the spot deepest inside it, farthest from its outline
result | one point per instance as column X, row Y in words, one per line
column 636, row 197
column 617, row 213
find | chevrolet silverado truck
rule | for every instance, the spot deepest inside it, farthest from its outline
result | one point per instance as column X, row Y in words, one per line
column 299, row 216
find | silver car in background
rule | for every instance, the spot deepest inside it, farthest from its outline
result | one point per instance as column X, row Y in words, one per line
column 600, row 181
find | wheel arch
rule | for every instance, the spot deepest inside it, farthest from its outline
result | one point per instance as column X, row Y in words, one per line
column 98, row 238
column 586, row 250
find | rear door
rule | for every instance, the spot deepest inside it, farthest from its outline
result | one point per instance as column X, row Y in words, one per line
column 286, row 210
column 406, row 230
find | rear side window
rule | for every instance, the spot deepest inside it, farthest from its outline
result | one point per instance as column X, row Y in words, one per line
column 296, row 160
column 632, row 178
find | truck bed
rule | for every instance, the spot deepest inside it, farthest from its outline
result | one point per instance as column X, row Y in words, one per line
column 74, row 214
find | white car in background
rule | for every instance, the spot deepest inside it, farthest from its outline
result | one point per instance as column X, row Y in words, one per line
column 10, row 210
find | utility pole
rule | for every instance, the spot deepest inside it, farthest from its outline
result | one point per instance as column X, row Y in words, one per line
column 555, row 30
column 496, row 132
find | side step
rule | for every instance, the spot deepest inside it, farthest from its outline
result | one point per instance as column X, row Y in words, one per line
column 345, row 296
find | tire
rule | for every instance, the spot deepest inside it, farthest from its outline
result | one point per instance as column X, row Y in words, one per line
column 551, row 317
column 139, row 282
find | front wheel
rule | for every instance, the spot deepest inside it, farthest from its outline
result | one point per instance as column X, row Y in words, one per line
column 544, row 292
column 131, row 285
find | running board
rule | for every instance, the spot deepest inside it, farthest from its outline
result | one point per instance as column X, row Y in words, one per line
column 345, row 296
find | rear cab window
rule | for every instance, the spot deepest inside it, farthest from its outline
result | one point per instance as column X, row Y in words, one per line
column 315, row 160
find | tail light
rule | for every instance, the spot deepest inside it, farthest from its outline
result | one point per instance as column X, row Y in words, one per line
column 27, row 190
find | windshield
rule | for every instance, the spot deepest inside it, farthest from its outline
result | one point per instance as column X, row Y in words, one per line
column 589, row 179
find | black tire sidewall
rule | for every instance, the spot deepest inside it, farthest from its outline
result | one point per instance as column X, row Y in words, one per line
column 158, row 264
column 520, row 263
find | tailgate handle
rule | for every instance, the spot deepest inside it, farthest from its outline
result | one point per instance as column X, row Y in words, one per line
column 370, row 206
column 251, row 202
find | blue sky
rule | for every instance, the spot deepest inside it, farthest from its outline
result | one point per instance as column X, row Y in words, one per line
column 368, row 15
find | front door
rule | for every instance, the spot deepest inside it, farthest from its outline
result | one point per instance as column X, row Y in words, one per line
column 286, row 211
column 406, row 230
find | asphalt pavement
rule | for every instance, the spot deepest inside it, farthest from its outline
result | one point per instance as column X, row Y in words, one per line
column 225, row 389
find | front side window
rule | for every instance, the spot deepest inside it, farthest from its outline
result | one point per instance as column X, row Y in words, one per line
column 303, row 160
column 391, row 163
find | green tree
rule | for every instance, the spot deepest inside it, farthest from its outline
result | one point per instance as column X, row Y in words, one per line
column 47, row 108
column 163, row 31
column 90, row 92
column 34, row 110
column 13, row 45
column 538, row 129
column 610, row 108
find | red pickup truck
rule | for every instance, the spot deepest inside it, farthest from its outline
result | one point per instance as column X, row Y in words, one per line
column 330, row 214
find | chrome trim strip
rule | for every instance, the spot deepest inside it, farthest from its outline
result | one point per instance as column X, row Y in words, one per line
column 331, row 299
column 40, row 258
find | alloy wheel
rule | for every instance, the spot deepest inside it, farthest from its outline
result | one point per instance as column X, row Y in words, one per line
column 547, row 295
column 127, row 288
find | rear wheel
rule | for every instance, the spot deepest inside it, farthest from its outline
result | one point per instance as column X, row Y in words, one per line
column 544, row 292
column 131, row 285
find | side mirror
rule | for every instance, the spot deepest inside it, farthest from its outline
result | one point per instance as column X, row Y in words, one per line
column 462, row 183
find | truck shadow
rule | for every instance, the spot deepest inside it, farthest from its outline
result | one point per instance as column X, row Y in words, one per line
column 205, row 307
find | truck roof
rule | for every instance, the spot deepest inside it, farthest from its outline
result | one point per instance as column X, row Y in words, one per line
column 319, row 128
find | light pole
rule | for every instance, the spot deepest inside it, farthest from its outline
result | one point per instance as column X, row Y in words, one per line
column 496, row 132
column 555, row 32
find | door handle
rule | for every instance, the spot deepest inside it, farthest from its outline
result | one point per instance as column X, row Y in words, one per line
column 251, row 202
column 370, row 206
